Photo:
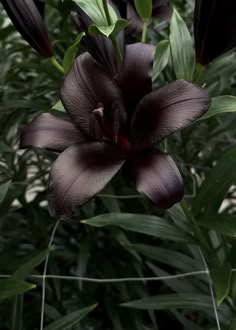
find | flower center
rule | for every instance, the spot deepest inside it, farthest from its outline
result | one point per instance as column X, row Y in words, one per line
column 108, row 127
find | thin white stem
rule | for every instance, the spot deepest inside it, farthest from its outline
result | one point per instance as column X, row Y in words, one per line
column 44, row 276
column 115, row 280
column 211, row 291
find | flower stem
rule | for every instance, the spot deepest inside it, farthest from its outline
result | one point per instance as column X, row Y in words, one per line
column 199, row 72
column 57, row 65
column 144, row 34
column 117, row 50
column 108, row 17
column 113, row 40
column 197, row 231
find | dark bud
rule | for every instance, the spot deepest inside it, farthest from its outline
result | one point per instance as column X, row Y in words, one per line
column 214, row 28
column 28, row 20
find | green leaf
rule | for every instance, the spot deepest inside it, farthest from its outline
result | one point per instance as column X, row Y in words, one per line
column 59, row 106
column 221, row 104
column 110, row 31
column 95, row 10
column 221, row 279
column 233, row 325
column 144, row 8
column 182, row 50
column 24, row 270
column 71, row 53
column 70, row 319
column 11, row 287
column 222, row 223
column 216, row 185
column 165, row 256
column 161, row 58
column 172, row 301
column 140, row 223
column 4, row 189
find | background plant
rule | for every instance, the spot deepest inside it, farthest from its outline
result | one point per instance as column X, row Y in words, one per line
column 119, row 237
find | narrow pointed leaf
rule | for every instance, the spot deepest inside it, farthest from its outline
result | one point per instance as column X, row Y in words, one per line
column 208, row 198
column 221, row 223
column 59, row 106
column 182, row 51
column 221, row 278
column 12, row 287
column 24, row 270
column 161, row 58
column 70, row 319
column 140, row 223
column 71, row 53
column 219, row 105
column 168, row 257
column 172, row 301
column 4, row 187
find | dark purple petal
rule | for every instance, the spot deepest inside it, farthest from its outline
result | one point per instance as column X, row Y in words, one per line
column 29, row 22
column 50, row 132
column 40, row 4
column 135, row 78
column 88, row 87
column 78, row 174
column 158, row 178
column 167, row 110
column 214, row 28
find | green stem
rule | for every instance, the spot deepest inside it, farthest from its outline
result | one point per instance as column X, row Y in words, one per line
column 199, row 72
column 57, row 65
column 144, row 34
column 108, row 17
column 117, row 50
column 113, row 40
column 197, row 231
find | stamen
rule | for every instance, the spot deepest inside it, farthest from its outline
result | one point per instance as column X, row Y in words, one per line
column 96, row 123
column 116, row 124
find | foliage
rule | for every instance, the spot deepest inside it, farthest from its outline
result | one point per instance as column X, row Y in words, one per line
column 118, row 237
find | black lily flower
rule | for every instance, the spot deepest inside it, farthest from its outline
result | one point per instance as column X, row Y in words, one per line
column 161, row 10
column 112, row 122
column 26, row 15
column 214, row 28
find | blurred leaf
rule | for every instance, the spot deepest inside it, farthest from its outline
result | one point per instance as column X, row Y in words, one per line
column 71, row 54
column 70, row 319
column 233, row 325
column 169, row 257
column 24, row 270
column 94, row 9
column 161, row 58
column 59, row 106
column 221, row 281
column 11, row 287
column 140, row 223
column 4, row 189
column 216, row 185
column 221, row 104
column 222, row 223
column 109, row 31
column 172, row 301
column 182, row 50
column 144, row 8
